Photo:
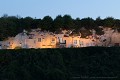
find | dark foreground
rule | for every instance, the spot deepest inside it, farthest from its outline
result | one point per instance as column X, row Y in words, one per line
column 93, row 63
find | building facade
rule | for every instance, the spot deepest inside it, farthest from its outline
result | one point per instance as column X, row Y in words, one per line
column 45, row 39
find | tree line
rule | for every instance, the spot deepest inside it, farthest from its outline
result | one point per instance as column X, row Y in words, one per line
column 12, row 25
column 94, row 63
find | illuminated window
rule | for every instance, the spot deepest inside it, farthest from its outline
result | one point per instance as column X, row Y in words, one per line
column 39, row 39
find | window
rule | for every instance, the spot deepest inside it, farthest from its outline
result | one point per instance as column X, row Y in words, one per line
column 87, row 44
column 53, row 39
column 39, row 39
column 34, row 41
column 31, row 36
column 75, row 41
column 64, row 41
column 81, row 43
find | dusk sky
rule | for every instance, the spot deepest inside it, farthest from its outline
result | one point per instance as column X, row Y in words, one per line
column 75, row 8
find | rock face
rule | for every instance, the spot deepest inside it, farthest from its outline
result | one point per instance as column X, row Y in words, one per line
column 20, row 40
column 115, row 39
column 110, row 38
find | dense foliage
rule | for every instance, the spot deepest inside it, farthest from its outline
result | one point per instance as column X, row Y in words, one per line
column 60, row 64
column 12, row 25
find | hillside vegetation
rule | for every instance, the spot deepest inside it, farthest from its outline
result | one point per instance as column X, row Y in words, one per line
column 10, row 26
column 60, row 64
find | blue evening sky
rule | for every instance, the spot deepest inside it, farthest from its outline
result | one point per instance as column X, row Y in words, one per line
column 75, row 8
